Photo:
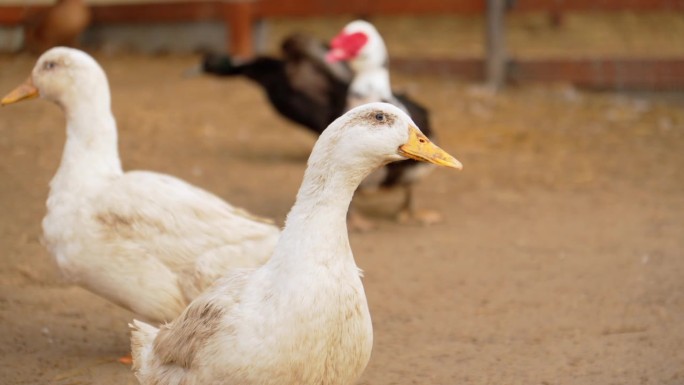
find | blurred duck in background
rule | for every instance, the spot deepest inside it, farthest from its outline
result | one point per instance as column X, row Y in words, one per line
column 148, row 242
column 311, row 87
column 302, row 86
column 60, row 25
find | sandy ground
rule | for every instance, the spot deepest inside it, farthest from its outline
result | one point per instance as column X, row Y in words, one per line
column 560, row 261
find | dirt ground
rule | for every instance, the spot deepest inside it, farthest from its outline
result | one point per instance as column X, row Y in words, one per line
column 560, row 260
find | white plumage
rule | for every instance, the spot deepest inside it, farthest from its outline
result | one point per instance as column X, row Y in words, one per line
column 302, row 318
column 146, row 241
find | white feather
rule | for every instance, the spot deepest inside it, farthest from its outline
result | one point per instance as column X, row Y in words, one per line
column 302, row 318
column 146, row 241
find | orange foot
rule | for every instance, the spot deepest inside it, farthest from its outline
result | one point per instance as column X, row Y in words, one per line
column 423, row 217
column 126, row 360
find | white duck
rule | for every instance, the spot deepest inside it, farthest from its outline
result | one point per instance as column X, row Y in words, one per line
column 302, row 318
column 361, row 45
column 146, row 241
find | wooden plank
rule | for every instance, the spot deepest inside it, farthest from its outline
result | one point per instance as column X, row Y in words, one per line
column 495, row 43
column 302, row 8
column 604, row 73
column 16, row 15
column 127, row 13
column 212, row 9
column 153, row 12
column 463, row 68
column 594, row 73
column 596, row 5
column 239, row 20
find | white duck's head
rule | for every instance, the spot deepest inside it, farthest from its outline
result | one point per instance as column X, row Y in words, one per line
column 375, row 134
column 360, row 44
column 355, row 144
column 66, row 76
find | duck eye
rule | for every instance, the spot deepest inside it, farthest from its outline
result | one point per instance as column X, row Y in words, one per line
column 380, row 117
column 49, row 65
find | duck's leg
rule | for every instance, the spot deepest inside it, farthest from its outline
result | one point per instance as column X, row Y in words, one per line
column 408, row 213
column 126, row 360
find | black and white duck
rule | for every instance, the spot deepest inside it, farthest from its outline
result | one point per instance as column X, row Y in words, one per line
column 312, row 85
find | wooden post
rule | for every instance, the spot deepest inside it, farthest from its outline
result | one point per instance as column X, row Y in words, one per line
column 237, row 14
column 496, row 45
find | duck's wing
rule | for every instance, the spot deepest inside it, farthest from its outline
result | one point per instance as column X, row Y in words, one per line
column 302, row 47
column 179, row 342
column 166, row 355
column 317, row 89
column 176, row 223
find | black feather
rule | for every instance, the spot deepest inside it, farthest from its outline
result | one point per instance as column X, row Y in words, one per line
column 306, row 89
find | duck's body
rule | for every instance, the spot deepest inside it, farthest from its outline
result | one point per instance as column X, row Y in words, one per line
column 302, row 318
column 287, row 323
column 146, row 241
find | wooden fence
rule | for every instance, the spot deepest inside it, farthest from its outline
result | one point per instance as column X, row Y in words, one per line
column 240, row 16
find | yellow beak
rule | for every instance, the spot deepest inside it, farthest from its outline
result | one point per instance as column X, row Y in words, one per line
column 24, row 92
column 419, row 147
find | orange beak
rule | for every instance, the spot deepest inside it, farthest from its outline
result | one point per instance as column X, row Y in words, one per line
column 419, row 147
column 24, row 91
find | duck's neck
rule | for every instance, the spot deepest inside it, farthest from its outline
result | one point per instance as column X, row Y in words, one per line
column 316, row 227
column 372, row 83
column 90, row 153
